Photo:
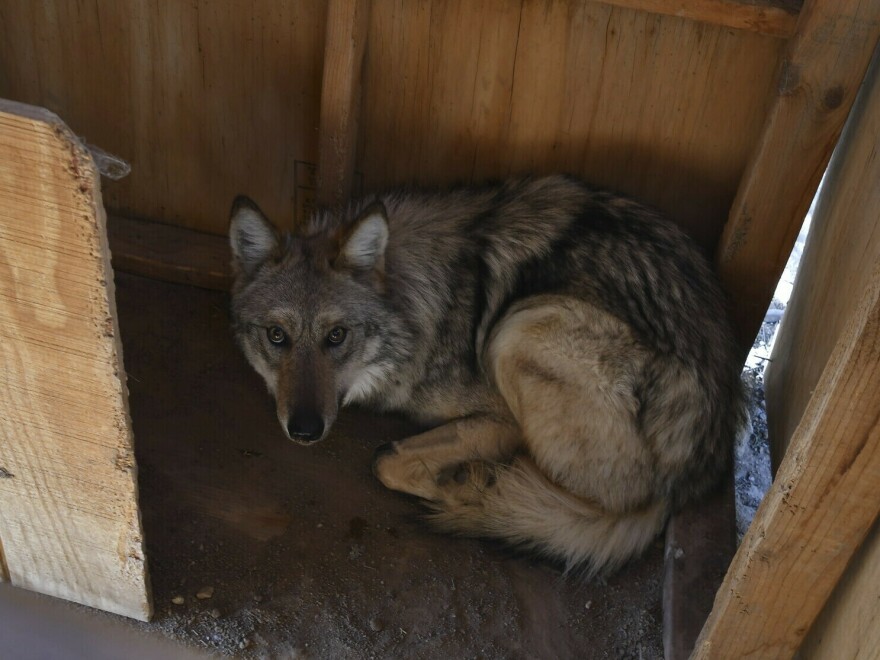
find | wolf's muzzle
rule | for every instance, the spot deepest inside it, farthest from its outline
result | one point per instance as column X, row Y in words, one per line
column 305, row 426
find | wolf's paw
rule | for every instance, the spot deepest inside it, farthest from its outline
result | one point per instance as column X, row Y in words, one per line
column 467, row 483
column 406, row 473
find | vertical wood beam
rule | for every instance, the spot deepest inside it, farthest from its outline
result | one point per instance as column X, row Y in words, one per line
column 818, row 510
column 700, row 542
column 820, row 73
column 347, row 29
column 849, row 626
column 841, row 250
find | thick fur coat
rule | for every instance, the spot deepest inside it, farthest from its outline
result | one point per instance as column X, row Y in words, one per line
column 567, row 347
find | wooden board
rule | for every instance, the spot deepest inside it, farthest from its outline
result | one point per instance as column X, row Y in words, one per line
column 842, row 248
column 774, row 17
column 205, row 99
column 69, row 520
column 168, row 253
column 700, row 541
column 849, row 626
column 661, row 107
column 822, row 69
column 347, row 24
column 818, row 510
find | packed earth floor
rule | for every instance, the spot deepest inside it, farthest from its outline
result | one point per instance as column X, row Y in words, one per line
column 261, row 548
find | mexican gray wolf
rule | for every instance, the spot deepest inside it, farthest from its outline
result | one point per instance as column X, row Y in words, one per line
column 567, row 347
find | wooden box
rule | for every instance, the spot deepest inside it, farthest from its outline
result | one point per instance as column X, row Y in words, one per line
column 722, row 113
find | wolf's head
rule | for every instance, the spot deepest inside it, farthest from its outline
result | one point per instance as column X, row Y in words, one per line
column 310, row 314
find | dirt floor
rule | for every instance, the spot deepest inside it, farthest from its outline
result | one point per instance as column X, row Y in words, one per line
column 302, row 551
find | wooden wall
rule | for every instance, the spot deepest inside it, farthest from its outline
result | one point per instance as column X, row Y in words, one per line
column 204, row 99
column 207, row 100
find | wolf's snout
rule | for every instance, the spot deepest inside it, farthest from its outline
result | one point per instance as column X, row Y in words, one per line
column 305, row 427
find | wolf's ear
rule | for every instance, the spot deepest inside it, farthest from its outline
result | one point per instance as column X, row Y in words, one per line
column 252, row 237
column 363, row 245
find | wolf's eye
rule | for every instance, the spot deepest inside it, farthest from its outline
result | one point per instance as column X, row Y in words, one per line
column 276, row 335
column 337, row 335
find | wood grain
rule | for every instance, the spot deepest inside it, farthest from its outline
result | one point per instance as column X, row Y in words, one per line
column 700, row 542
column 659, row 107
column 69, row 520
column 849, row 626
column 776, row 18
column 169, row 253
column 821, row 71
column 205, row 99
column 841, row 250
column 818, row 510
column 347, row 27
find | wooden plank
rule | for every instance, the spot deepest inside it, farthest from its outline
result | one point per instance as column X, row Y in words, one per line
column 347, row 27
column 843, row 246
column 818, row 510
column 849, row 626
column 205, row 99
column 69, row 520
column 822, row 68
column 776, row 18
column 626, row 99
column 700, row 542
column 169, row 253
column 453, row 90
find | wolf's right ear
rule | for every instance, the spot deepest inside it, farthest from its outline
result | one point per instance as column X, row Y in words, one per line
column 252, row 237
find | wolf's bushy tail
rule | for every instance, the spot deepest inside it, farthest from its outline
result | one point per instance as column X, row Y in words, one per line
column 525, row 509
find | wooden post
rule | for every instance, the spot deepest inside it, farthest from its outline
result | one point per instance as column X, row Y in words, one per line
column 821, row 71
column 849, row 626
column 69, row 521
column 841, row 250
column 347, row 28
column 818, row 510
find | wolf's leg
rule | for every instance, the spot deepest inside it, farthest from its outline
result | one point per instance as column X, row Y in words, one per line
column 587, row 489
column 570, row 374
column 427, row 464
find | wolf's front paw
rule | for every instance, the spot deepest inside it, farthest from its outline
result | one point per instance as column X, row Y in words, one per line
column 404, row 473
column 382, row 451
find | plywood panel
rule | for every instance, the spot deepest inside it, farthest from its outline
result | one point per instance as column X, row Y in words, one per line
column 69, row 521
column 661, row 107
column 205, row 99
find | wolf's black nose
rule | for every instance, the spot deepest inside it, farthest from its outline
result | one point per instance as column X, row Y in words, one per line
column 305, row 426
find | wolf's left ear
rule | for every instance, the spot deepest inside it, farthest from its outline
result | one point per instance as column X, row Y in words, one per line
column 363, row 245
column 252, row 237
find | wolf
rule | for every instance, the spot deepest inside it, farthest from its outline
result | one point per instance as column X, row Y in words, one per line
column 566, row 347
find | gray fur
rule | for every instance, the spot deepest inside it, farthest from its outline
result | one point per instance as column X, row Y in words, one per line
column 441, row 322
